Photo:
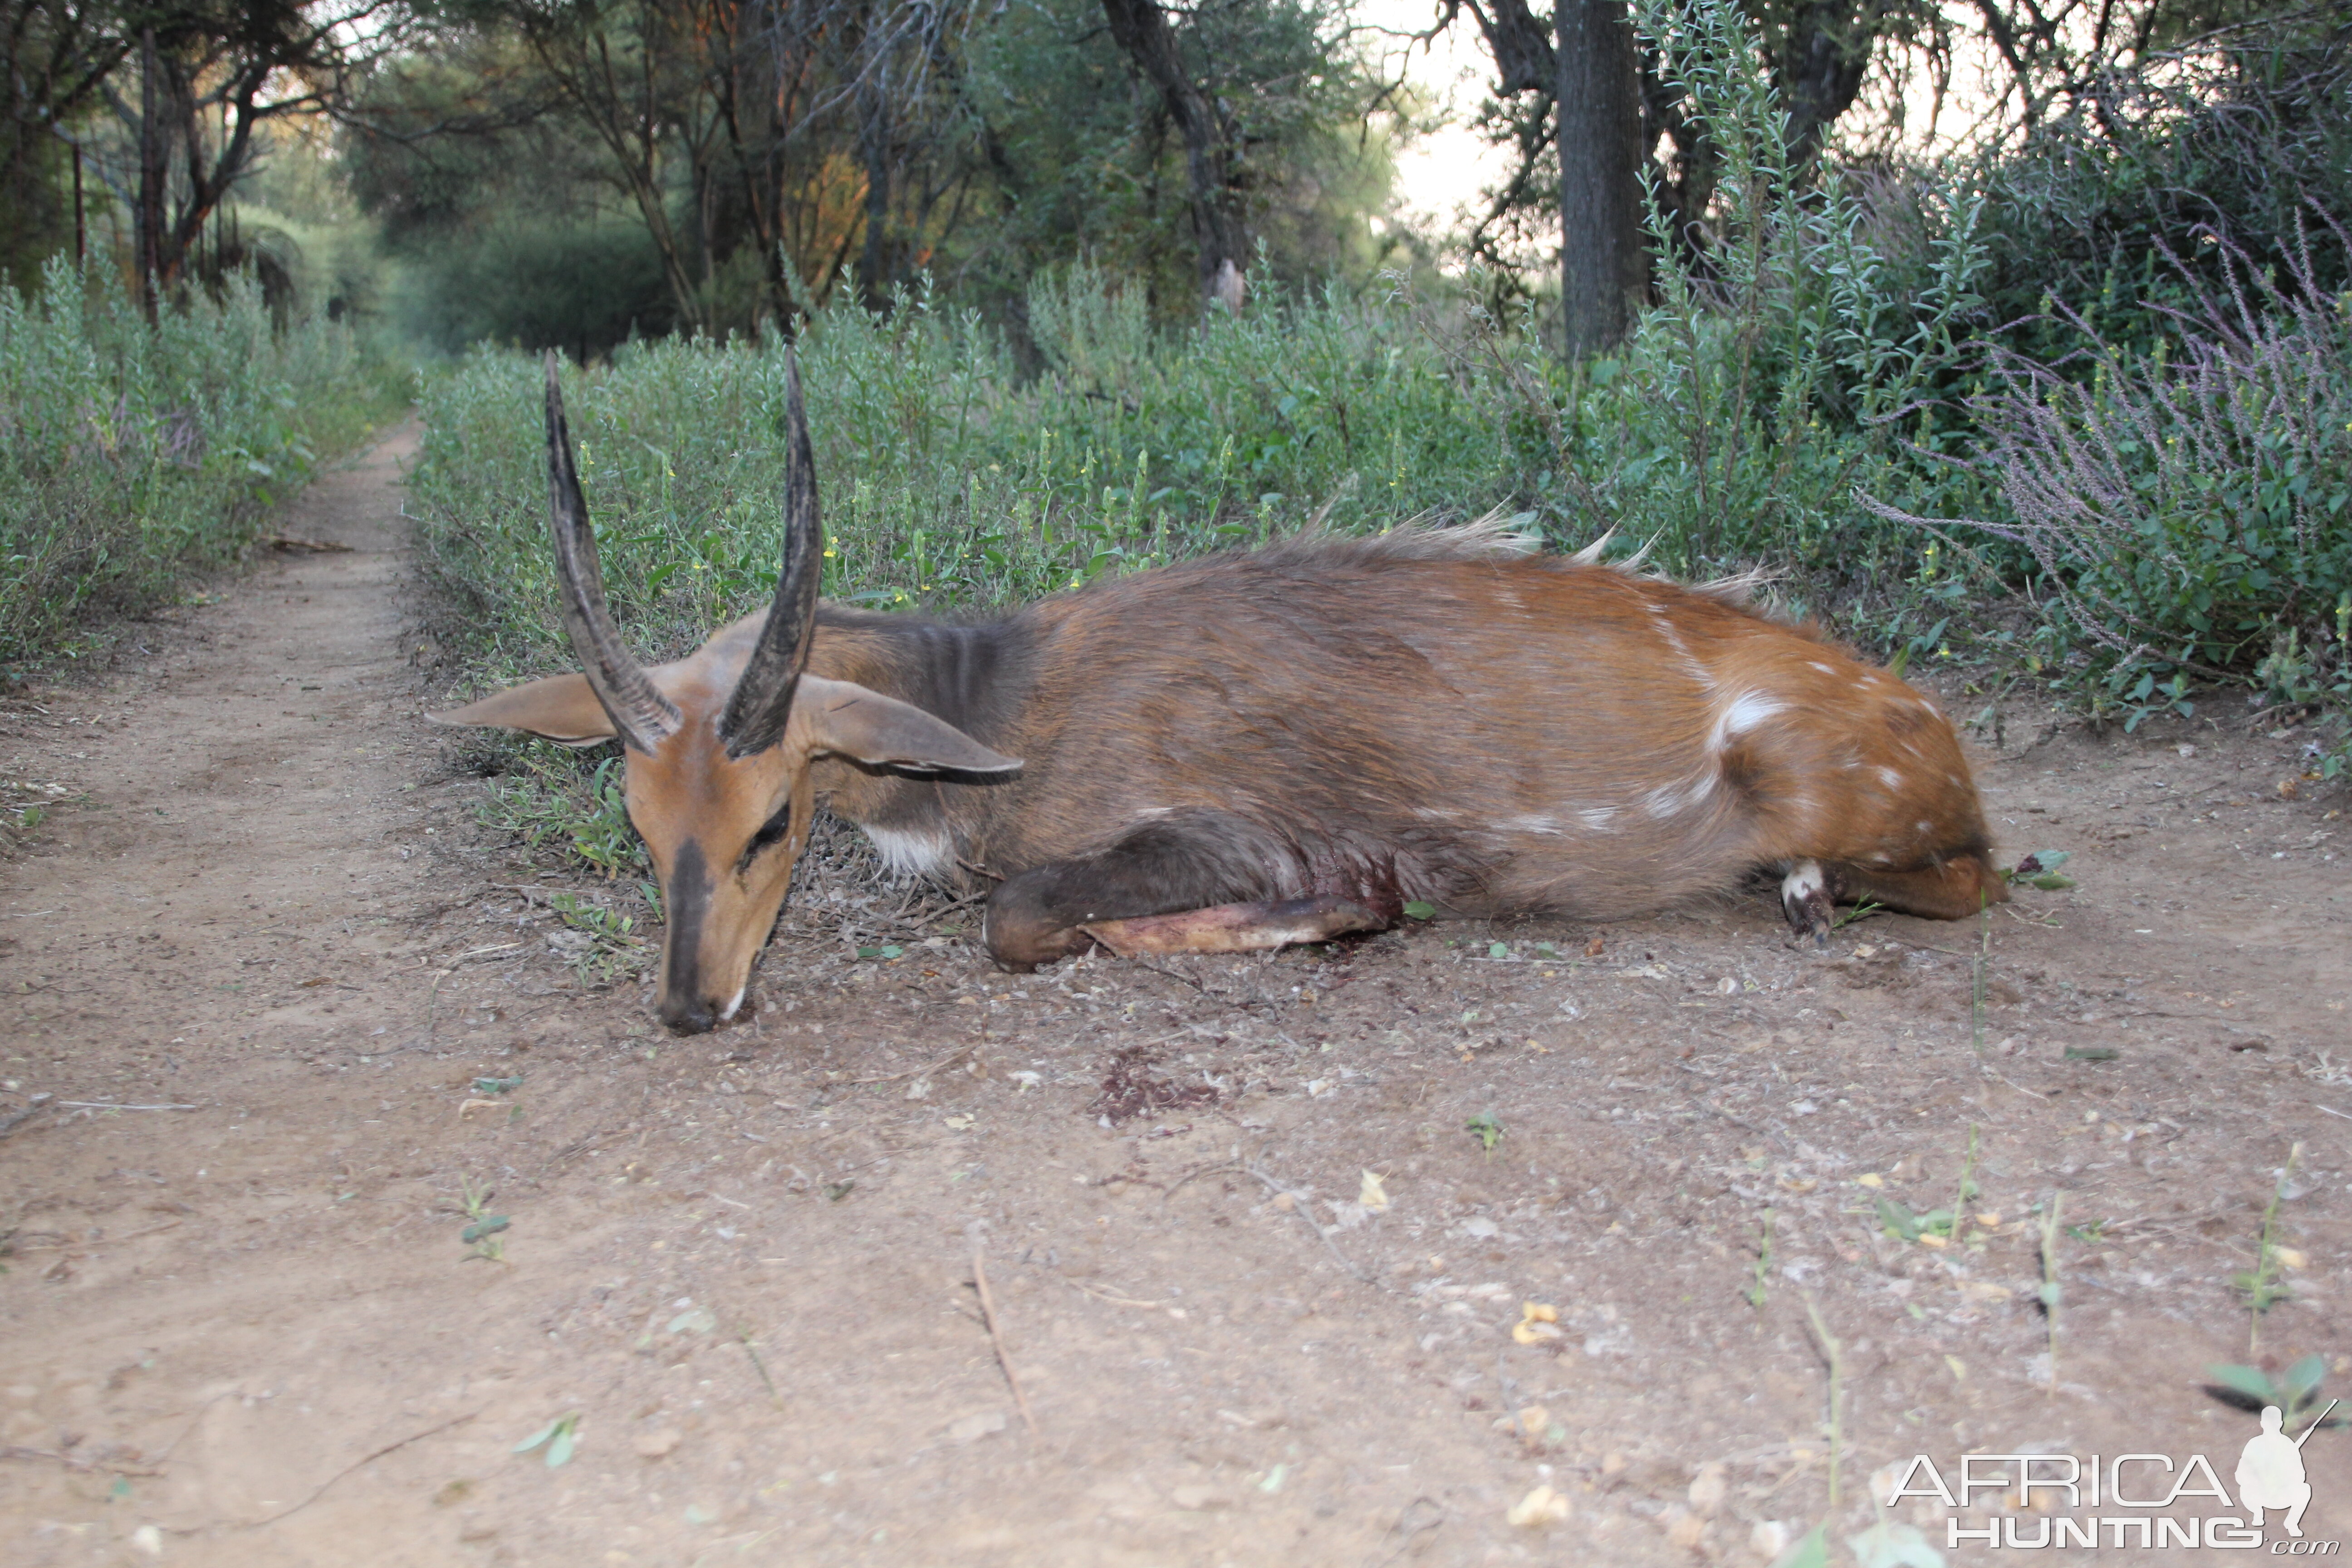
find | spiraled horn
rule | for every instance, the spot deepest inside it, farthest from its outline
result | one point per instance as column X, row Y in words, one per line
column 762, row 699
column 640, row 713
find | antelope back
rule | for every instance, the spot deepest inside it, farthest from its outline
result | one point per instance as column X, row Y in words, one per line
column 1448, row 714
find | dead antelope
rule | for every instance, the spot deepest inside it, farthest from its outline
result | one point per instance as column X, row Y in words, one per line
column 1255, row 748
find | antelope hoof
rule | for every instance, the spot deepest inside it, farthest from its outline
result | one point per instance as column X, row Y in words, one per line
column 1808, row 901
column 1234, row 927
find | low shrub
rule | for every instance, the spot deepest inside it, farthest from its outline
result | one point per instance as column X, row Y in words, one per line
column 2187, row 517
column 951, row 481
column 130, row 455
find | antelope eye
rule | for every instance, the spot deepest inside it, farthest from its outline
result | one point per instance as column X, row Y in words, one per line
column 774, row 828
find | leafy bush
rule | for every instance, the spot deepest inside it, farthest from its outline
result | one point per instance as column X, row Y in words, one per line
column 130, row 454
column 1758, row 395
column 1734, row 429
column 2150, row 175
column 2190, row 517
column 580, row 287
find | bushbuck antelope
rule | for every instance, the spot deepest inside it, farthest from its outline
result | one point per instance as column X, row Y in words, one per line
column 1260, row 748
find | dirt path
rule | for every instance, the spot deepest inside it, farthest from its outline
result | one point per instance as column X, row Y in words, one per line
column 247, row 1330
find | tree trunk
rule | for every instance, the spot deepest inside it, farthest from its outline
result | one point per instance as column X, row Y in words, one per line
column 1141, row 29
column 1819, row 63
column 874, row 268
column 1603, row 265
column 147, row 245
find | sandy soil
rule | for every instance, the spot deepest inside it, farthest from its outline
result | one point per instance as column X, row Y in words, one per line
column 276, row 1005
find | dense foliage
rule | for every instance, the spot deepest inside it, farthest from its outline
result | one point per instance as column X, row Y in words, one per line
column 713, row 166
column 130, row 454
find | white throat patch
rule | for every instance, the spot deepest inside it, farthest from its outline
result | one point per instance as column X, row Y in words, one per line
column 906, row 852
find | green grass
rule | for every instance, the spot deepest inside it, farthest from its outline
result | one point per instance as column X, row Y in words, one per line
column 949, row 478
column 132, row 456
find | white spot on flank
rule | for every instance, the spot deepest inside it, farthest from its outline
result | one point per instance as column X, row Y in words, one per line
column 910, row 853
column 1531, row 824
column 1749, row 709
column 1691, row 666
column 1824, row 669
column 1597, row 817
column 1669, row 799
column 1925, row 827
column 1891, row 779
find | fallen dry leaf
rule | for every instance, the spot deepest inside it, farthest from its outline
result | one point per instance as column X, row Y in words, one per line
column 972, row 1428
column 1538, row 1321
column 1540, row 1507
column 1374, row 1196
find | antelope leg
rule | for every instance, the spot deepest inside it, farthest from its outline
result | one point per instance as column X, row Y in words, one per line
column 1808, row 898
column 1234, row 927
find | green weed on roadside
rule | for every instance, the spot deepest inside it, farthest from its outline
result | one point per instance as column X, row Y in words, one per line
column 482, row 1228
column 552, row 800
column 2261, row 1286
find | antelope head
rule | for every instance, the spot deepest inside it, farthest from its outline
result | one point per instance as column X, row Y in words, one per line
column 717, row 745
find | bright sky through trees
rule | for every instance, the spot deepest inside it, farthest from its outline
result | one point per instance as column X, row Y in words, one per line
column 1442, row 171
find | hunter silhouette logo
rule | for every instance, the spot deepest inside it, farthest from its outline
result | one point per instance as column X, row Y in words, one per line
column 2269, row 1471
column 2125, row 1501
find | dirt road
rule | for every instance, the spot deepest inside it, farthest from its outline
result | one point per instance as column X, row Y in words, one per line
column 281, row 1023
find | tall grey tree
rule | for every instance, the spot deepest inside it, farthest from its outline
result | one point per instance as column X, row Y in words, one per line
column 1603, row 263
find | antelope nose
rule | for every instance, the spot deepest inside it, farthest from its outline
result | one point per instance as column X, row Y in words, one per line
column 689, row 1015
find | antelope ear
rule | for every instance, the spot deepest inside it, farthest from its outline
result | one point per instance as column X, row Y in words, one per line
column 563, row 707
column 846, row 719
